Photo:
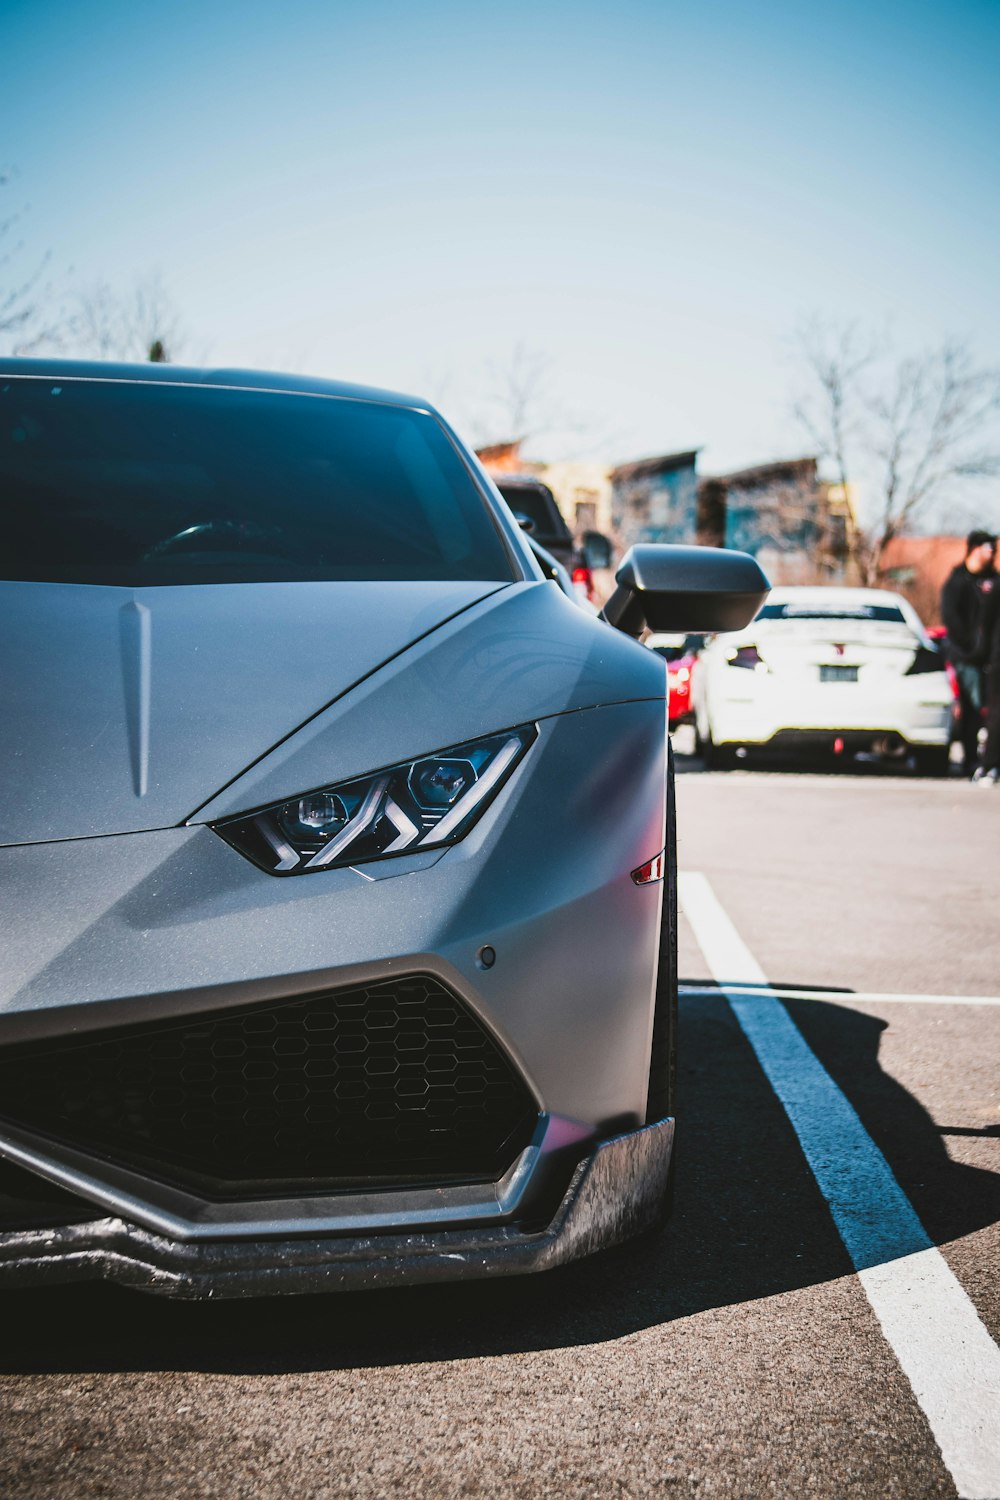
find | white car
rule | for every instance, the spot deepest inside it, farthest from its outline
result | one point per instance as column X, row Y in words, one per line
column 840, row 671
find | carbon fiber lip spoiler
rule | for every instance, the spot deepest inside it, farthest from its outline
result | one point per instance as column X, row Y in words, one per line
column 615, row 1193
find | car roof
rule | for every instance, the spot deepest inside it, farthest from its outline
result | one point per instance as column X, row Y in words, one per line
column 522, row 482
column 829, row 598
column 234, row 379
column 830, row 595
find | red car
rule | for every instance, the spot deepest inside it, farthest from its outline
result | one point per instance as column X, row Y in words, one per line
column 680, row 652
column 939, row 636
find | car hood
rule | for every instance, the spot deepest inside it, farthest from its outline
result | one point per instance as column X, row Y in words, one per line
column 126, row 709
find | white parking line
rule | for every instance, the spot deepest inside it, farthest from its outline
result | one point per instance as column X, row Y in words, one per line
column 935, row 1332
column 838, row 997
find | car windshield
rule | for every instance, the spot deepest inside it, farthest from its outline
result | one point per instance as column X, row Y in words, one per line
column 143, row 483
column 885, row 613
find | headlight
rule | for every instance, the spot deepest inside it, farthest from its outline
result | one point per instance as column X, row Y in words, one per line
column 422, row 804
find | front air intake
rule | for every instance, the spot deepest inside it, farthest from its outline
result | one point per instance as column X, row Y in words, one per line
column 382, row 1085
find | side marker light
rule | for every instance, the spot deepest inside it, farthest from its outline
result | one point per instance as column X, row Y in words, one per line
column 650, row 873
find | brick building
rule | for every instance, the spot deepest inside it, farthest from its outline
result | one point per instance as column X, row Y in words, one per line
column 917, row 566
column 798, row 527
column 655, row 499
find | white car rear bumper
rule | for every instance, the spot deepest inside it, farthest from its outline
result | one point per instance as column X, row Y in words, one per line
column 754, row 714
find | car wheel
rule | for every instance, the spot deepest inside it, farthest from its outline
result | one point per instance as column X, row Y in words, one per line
column 717, row 757
column 661, row 1098
column 932, row 760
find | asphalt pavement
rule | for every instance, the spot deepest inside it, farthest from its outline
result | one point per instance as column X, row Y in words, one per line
column 738, row 1354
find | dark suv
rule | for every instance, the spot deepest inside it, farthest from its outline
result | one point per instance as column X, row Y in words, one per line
column 533, row 502
column 530, row 498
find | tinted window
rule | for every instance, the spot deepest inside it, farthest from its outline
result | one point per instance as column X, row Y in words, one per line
column 112, row 483
column 885, row 612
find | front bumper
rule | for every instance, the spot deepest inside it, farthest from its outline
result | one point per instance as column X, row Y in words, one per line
column 615, row 1193
column 112, row 937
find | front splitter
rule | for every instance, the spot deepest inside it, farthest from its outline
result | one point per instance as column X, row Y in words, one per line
column 615, row 1193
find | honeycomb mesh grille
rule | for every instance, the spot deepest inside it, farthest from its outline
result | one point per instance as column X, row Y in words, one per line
column 387, row 1084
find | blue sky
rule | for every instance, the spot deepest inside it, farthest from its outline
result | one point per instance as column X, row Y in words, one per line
column 648, row 196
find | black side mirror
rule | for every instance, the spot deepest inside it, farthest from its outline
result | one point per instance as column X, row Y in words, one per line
column 685, row 589
column 525, row 522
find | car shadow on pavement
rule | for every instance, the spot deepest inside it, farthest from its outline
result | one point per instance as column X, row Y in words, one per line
column 749, row 1222
column 951, row 1199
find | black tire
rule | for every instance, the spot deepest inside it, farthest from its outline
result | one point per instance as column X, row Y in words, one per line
column 663, row 1060
column 718, row 757
column 662, row 1094
column 932, row 760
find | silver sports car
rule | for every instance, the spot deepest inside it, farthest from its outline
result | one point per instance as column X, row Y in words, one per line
column 335, row 847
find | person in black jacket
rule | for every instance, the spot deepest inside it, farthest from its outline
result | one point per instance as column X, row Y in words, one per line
column 963, row 601
column 988, row 769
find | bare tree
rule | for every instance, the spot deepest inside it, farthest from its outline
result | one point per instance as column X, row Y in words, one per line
column 913, row 428
column 518, row 393
column 141, row 324
column 29, row 316
column 96, row 321
column 517, row 402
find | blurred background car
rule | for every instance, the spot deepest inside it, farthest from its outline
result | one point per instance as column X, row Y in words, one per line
column 839, row 672
column 538, row 513
column 680, row 652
